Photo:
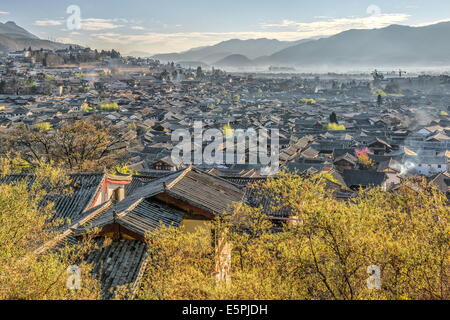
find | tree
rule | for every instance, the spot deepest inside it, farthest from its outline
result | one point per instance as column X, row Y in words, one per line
column 87, row 108
column 12, row 163
column 323, row 253
column 199, row 73
column 185, row 254
column 24, row 225
column 2, row 86
column 114, row 54
column 109, row 107
column 43, row 126
column 308, row 101
column 227, row 130
column 335, row 127
column 365, row 162
column 122, row 169
column 333, row 118
column 81, row 146
column 379, row 100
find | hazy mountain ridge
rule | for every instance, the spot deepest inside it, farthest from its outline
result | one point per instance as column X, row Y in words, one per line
column 395, row 45
column 13, row 38
column 235, row 60
column 211, row 54
column 13, row 31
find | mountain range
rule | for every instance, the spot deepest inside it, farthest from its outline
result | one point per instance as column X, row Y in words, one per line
column 395, row 45
column 251, row 49
column 13, row 38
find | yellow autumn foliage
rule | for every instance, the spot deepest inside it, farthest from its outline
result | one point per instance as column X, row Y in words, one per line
column 25, row 225
column 323, row 253
column 227, row 130
column 336, row 127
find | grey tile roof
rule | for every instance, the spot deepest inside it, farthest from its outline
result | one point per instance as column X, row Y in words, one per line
column 117, row 263
column 149, row 215
column 363, row 178
column 84, row 187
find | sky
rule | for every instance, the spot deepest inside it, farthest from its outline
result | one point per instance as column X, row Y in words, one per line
column 163, row 26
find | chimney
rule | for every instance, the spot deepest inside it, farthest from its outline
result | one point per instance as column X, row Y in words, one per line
column 119, row 194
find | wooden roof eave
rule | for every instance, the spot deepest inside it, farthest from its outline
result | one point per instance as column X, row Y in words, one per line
column 173, row 199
